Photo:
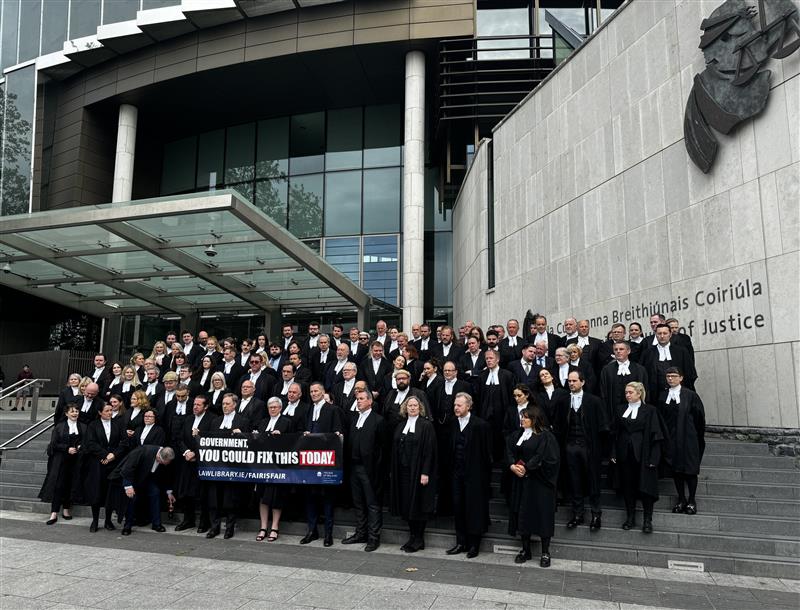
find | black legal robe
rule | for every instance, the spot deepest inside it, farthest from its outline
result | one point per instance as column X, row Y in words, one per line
column 368, row 443
column 413, row 455
column 532, row 503
column 65, row 397
column 657, row 369
column 547, row 403
column 300, row 416
column 157, row 436
column 476, row 470
column 374, row 380
column 685, row 426
column 644, row 436
column 390, row 411
column 96, row 448
column 612, row 385
column 63, row 468
column 187, row 483
column 588, row 351
column 232, row 378
column 493, row 400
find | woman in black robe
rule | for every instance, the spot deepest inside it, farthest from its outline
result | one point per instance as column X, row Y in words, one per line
column 130, row 384
column 413, row 479
column 134, row 416
column 684, row 418
column 63, row 464
column 202, row 377
column 533, row 458
column 273, row 495
column 106, row 444
column 636, row 453
column 215, row 393
column 151, row 433
column 71, row 393
column 548, row 395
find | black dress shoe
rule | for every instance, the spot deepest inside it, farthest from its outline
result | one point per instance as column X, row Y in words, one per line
column 691, row 508
column 545, row 560
column 472, row 552
column 457, row 549
column 93, row 527
column 328, row 540
column 680, row 507
column 126, row 531
column 67, row 517
column 354, row 539
column 418, row 544
column 372, row 545
column 522, row 557
column 575, row 522
column 203, row 528
column 51, row 521
column 628, row 523
column 184, row 525
column 647, row 527
column 159, row 528
column 228, row 533
column 213, row 532
column 595, row 523
column 309, row 537
column 109, row 526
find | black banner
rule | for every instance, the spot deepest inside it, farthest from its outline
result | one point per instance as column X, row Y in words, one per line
column 310, row 459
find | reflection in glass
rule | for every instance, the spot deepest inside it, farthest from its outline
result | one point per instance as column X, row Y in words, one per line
column 307, row 143
column 503, row 22
column 381, row 267
column 84, row 17
column 211, row 149
column 29, row 30
column 239, row 153
column 245, row 189
column 8, row 40
column 17, row 123
column 382, row 192
column 305, row 206
column 179, row 160
column 272, row 156
column 383, row 135
column 344, row 254
column 343, row 203
column 343, row 148
column 119, row 10
column 271, row 197
column 54, row 25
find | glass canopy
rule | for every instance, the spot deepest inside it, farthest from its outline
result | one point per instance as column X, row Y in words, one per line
column 209, row 253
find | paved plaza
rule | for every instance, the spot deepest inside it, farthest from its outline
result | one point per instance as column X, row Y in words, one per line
column 64, row 566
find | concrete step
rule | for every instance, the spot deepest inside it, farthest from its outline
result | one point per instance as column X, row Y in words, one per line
column 630, row 547
column 728, row 447
column 769, row 462
column 750, row 475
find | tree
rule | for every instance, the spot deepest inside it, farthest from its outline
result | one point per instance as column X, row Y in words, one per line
column 15, row 178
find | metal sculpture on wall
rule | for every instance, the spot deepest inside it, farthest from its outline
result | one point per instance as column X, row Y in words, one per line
column 733, row 88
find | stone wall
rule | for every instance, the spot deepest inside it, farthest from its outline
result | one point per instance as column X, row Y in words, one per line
column 598, row 211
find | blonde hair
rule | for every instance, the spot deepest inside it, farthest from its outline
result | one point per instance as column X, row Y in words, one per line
column 639, row 387
column 404, row 407
column 156, row 344
column 135, row 381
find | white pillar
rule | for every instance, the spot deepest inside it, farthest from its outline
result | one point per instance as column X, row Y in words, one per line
column 413, row 258
column 126, row 149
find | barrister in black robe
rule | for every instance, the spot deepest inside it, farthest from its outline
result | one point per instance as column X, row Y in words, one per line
column 71, row 393
column 322, row 418
column 296, row 408
column 250, row 405
column 63, row 464
column 90, row 404
column 414, row 366
column 442, row 423
column 471, row 364
column 343, row 392
column 390, row 410
column 215, row 393
column 581, row 427
column 512, row 345
column 549, row 396
column 636, row 454
column 605, row 352
column 533, row 459
column 684, row 420
column 495, row 396
column 106, row 444
column 271, row 495
column 202, row 377
column 471, row 450
column 588, row 344
column 616, row 375
column 224, row 498
column 413, row 478
column 432, row 384
column 524, row 369
column 135, row 480
column 151, row 433
column 578, row 359
column 561, row 368
column 373, row 369
column 263, row 381
column 189, row 489
column 231, row 368
column 364, row 457
column 662, row 356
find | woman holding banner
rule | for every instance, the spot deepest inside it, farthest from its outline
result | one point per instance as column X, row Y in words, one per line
column 272, row 494
column 413, row 480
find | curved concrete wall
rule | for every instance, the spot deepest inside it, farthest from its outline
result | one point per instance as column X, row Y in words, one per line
column 598, row 211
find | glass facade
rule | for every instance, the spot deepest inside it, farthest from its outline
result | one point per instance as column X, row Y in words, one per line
column 331, row 178
column 17, row 127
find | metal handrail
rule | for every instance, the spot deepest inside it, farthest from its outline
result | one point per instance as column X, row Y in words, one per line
column 4, row 447
column 37, row 384
column 8, row 391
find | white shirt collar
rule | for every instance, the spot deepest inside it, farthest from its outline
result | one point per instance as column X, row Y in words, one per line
column 430, row 380
column 526, row 434
column 463, row 421
column 632, row 411
column 362, row 417
column 227, row 421
column 411, row 425
column 73, row 426
column 290, row 407
column 624, row 368
column 674, row 395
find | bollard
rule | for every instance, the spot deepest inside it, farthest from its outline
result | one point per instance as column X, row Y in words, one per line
column 35, row 401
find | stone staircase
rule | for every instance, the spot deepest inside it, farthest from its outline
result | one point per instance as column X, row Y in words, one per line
column 748, row 521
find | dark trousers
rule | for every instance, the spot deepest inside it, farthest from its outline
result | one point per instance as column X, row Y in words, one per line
column 316, row 495
column 220, row 505
column 578, row 469
column 190, row 510
column 460, row 511
column 369, row 519
column 681, row 482
column 150, row 491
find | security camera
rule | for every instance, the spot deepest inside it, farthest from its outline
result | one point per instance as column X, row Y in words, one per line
column 7, row 268
column 210, row 251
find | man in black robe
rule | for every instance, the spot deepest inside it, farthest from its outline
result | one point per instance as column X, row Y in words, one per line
column 580, row 423
column 365, row 453
column 189, row 487
column 495, row 396
column 616, row 375
column 472, row 474
column 664, row 354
